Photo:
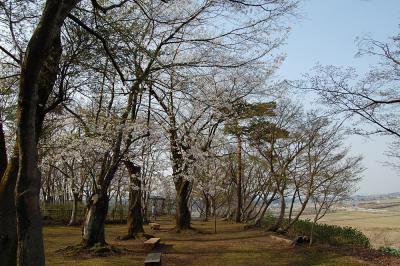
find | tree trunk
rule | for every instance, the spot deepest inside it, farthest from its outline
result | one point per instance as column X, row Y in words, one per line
column 281, row 216
column 239, row 180
column 3, row 151
column 8, row 225
column 72, row 221
column 183, row 216
column 250, row 209
column 312, row 232
column 291, row 205
column 215, row 214
column 271, row 199
column 144, row 212
column 207, row 206
column 44, row 38
column 116, row 202
column 97, row 208
column 135, row 217
column 95, row 218
column 296, row 218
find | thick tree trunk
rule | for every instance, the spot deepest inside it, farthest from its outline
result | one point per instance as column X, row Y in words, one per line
column 8, row 229
column 183, row 216
column 8, row 225
column 135, row 217
column 30, row 239
column 93, row 226
column 239, row 180
column 97, row 207
column 75, row 199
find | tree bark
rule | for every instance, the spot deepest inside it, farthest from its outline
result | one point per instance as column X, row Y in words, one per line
column 29, row 224
column 239, row 180
column 8, row 228
column 215, row 214
column 8, row 178
column 281, row 216
column 207, row 206
column 93, row 226
column 135, row 217
column 3, row 151
column 75, row 199
column 182, row 186
column 97, row 206
column 144, row 211
column 267, row 204
column 183, row 216
column 8, row 225
column 296, row 218
column 292, row 205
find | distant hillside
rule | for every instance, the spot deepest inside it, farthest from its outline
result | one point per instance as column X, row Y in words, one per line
column 394, row 195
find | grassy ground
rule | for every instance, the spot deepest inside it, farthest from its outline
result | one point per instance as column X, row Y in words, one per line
column 230, row 246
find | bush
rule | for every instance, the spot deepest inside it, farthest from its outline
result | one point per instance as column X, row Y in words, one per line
column 323, row 233
column 390, row 250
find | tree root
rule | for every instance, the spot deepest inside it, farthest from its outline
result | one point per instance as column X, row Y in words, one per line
column 97, row 250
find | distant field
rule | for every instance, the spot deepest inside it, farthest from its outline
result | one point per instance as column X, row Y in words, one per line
column 388, row 205
column 379, row 220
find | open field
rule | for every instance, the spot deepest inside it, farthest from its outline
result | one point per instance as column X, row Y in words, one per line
column 230, row 246
column 379, row 220
column 392, row 205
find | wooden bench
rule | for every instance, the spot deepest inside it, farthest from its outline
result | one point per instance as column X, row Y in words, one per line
column 155, row 226
column 153, row 259
column 152, row 242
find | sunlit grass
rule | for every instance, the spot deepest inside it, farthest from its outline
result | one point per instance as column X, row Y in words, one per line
column 230, row 246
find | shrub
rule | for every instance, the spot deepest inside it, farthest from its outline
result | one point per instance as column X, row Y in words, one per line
column 390, row 250
column 323, row 233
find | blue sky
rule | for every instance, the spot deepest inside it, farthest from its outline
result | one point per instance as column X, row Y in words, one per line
column 326, row 34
